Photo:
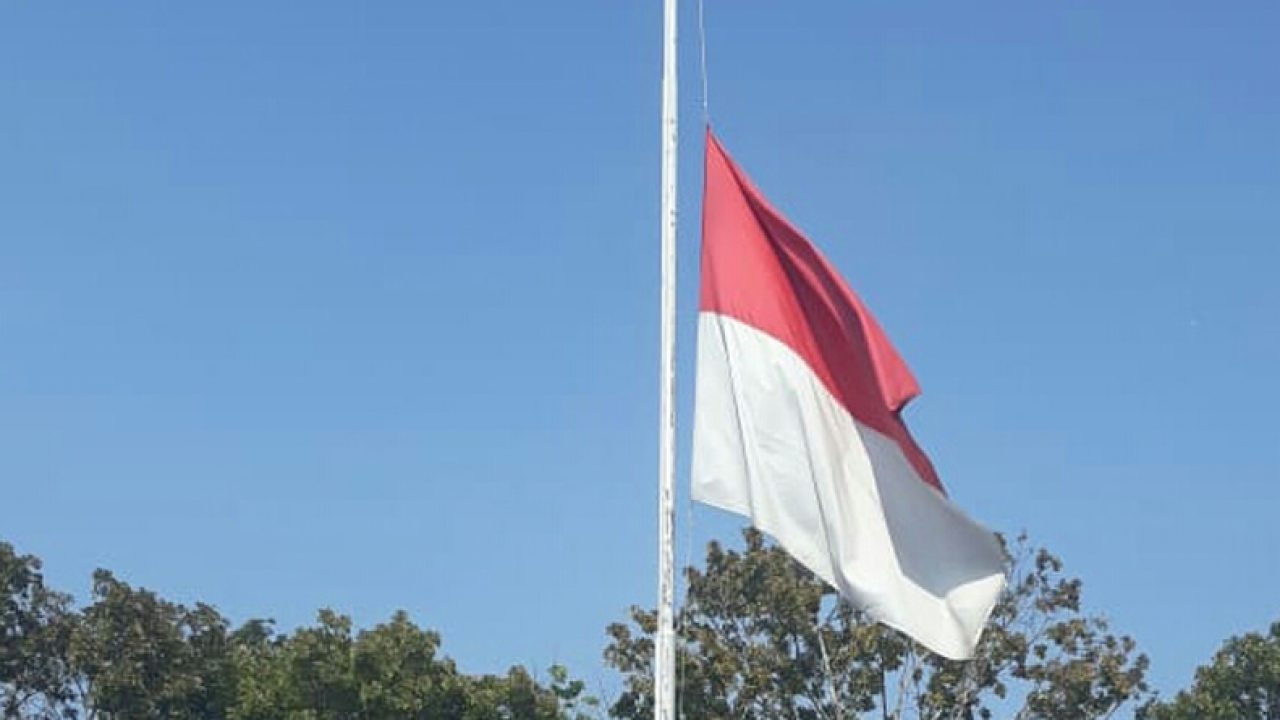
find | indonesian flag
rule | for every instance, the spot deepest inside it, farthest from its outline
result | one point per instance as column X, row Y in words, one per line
column 798, row 426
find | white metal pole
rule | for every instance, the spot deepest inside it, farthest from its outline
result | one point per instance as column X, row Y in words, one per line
column 664, row 665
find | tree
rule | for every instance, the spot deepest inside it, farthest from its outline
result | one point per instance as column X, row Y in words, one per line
column 327, row 673
column 1241, row 683
column 137, row 655
column 35, row 628
column 391, row 672
column 762, row 637
column 133, row 655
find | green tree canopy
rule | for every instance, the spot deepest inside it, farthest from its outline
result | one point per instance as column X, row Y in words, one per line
column 1241, row 683
column 133, row 655
column 393, row 671
column 760, row 637
column 35, row 632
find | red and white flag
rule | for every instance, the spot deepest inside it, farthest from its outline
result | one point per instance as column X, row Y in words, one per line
column 798, row 427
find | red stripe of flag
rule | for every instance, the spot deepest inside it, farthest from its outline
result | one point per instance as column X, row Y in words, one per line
column 760, row 270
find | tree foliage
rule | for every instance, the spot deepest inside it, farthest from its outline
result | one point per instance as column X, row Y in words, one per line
column 1241, row 683
column 133, row 655
column 35, row 633
column 762, row 637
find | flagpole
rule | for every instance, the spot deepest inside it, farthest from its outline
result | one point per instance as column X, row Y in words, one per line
column 664, row 665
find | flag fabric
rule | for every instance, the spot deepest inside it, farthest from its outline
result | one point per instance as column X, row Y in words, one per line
column 798, row 427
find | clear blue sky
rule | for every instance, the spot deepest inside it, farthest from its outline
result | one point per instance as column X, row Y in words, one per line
column 355, row 304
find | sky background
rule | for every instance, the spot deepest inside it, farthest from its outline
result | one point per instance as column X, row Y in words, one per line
column 355, row 304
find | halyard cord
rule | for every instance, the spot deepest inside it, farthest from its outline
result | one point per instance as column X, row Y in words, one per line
column 689, row 513
column 702, row 52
